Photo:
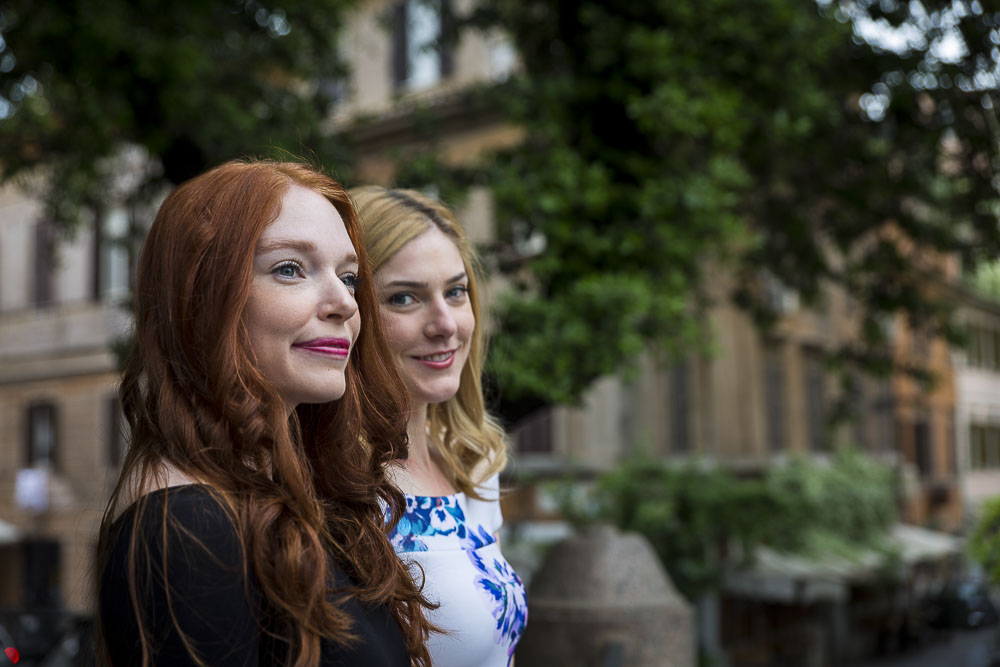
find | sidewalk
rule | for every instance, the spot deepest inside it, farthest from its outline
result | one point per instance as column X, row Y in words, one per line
column 964, row 648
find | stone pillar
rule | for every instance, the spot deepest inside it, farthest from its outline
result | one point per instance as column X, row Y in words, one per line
column 601, row 598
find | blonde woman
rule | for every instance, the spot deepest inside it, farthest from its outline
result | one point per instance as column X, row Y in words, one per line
column 425, row 280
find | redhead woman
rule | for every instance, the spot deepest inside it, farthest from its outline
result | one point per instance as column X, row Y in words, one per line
column 248, row 524
column 426, row 281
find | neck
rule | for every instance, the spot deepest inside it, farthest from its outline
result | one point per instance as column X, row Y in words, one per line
column 416, row 430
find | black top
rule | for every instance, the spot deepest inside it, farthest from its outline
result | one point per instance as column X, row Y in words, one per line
column 217, row 607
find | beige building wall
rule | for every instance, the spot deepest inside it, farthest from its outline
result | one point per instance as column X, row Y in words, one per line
column 977, row 404
column 367, row 47
column 57, row 353
column 17, row 215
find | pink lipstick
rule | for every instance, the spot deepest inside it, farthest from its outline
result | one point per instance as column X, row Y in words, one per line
column 338, row 348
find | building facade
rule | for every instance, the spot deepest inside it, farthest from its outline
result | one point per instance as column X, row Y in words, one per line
column 60, row 315
column 977, row 420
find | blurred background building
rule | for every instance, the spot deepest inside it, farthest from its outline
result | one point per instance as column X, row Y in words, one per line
column 61, row 311
column 757, row 399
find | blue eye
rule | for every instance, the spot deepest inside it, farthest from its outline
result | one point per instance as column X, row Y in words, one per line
column 457, row 292
column 401, row 299
column 351, row 280
column 287, row 270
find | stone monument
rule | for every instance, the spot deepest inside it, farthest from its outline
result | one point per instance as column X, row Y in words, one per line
column 601, row 598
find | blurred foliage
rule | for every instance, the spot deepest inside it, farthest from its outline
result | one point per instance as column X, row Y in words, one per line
column 986, row 279
column 189, row 83
column 703, row 520
column 670, row 145
column 984, row 541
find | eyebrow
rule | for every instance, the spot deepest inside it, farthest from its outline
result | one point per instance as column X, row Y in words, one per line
column 419, row 285
column 294, row 244
column 285, row 244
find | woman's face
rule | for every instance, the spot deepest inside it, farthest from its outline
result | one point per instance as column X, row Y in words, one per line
column 424, row 292
column 301, row 315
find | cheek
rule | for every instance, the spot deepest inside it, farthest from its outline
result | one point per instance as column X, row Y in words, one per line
column 265, row 312
column 467, row 323
column 256, row 320
column 395, row 331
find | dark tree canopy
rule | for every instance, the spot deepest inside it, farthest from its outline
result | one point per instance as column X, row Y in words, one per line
column 191, row 83
column 776, row 140
column 666, row 142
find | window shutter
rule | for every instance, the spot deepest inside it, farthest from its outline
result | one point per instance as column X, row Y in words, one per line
column 43, row 434
column 43, row 264
column 448, row 39
column 399, row 42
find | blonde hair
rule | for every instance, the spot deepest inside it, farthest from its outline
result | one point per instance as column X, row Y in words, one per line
column 469, row 439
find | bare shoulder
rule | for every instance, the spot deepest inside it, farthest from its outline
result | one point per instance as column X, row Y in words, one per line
column 164, row 476
column 481, row 471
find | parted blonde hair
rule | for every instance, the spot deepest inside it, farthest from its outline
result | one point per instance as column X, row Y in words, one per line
column 469, row 439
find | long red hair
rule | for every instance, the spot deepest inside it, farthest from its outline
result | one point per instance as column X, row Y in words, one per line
column 298, row 488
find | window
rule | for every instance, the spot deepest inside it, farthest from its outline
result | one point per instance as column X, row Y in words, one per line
column 680, row 407
column 984, row 441
column 774, row 398
column 42, row 435
column 419, row 58
column 780, row 298
column 991, row 447
column 117, row 431
column 977, row 447
column 533, row 434
column 923, row 447
column 984, row 347
column 885, row 431
column 112, row 265
column 987, row 358
column 975, row 347
column 502, row 57
column 952, row 444
column 43, row 260
column 815, row 380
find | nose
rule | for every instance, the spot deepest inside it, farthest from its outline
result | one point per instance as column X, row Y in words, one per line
column 440, row 322
column 337, row 301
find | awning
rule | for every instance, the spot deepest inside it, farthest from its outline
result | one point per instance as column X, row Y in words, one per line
column 9, row 534
column 919, row 544
column 792, row 578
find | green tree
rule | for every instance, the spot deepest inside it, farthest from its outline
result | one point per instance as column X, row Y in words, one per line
column 986, row 279
column 778, row 139
column 704, row 521
column 190, row 83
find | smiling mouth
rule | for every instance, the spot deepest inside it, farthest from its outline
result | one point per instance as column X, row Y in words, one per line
column 440, row 356
column 438, row 360
column 337, row 348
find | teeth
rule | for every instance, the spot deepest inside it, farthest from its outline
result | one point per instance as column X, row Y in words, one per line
column 437, row 357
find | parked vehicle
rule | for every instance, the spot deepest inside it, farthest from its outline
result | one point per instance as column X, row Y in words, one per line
column 961, row 604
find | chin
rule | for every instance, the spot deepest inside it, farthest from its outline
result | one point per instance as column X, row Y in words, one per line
column 436, row 395
column 316, row 396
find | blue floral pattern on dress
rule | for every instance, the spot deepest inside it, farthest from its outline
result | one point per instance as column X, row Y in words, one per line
column 439, row 522
column 433, row 516
column 504, row 595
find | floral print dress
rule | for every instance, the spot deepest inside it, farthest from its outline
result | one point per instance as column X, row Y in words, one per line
column 483, row 608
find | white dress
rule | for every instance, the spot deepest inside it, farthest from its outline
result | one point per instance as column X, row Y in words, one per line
column 483, row 607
